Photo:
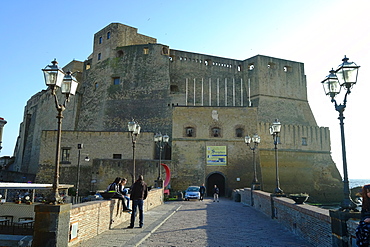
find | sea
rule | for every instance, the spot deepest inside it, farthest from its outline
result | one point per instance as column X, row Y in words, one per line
column 353, row 183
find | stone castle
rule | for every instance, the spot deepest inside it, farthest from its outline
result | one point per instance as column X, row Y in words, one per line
column 202, row 102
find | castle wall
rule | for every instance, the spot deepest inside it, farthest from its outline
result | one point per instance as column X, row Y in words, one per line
column 305, row 163
column 116, row 35
column 142, row 92
column 99, row 145
column 129, row 75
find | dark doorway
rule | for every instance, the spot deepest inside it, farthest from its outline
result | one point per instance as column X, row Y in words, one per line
column 219, row 180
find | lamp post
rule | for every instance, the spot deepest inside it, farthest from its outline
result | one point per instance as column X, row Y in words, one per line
column 134, row 129
column 55, row 78
column 160, row 140
column 2, row 123
column 79, row 147
column 256, row 139
column 274, row 131
column 345, row 76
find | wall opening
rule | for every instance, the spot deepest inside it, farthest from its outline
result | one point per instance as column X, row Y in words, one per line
column 216, row 179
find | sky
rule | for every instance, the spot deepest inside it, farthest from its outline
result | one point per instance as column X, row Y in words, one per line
column 317, row 33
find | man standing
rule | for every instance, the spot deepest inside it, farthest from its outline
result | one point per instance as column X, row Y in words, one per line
column 202, row 191
column 139, row 192
column 216, row 191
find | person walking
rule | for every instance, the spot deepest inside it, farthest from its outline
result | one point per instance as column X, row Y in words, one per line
column 202, row 191
column 216, row 192
column 139, row 193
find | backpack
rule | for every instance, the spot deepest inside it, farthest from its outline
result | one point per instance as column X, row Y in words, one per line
column 112, row 188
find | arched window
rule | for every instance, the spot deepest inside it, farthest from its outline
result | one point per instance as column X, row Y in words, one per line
column 216, row 132
column 120, row 53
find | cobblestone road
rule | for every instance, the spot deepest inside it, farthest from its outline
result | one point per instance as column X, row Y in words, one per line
column 226, row 223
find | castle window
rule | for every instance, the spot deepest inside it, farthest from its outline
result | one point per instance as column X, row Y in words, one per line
column 239, row 132
column 146, row 51
column 304, row 141
column 117, row 156
column 170, row 58
column 216, row 132
column 189, row 132
column 96, row 85
column 174, row 88
column 165, row 51
column 99, row 56
column 119, row 53
column 116, row 81
column 100, row 40
column 239, row 68
column 271, row 66
column 108, row 35
column 287, row 69
column 251, row 66
column 88, row 66
column 66, row 155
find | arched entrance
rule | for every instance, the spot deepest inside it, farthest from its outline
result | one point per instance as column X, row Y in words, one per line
column 219, row 180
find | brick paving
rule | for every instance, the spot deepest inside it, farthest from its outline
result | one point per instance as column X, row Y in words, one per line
column 195, row 223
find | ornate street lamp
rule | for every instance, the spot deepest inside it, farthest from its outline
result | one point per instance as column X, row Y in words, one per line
column 134, row 129
column 274, row 131
column 55, row 78
column 256, row 139
column 345, row 76
column 160, row 141
column 79, row 147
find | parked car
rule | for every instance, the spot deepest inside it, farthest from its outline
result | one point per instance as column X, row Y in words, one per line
column 192, row 192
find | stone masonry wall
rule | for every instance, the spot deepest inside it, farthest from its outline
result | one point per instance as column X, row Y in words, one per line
column 95, row 217
column 310, row 222
column 96, row 148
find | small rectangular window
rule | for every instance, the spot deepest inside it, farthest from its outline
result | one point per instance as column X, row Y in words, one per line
column 146, row 50
column 66, row 155
column 100, row 40
column 116, row 81
column 108, row 35
column 304, row 141
column 117, row 156
column 99, row 56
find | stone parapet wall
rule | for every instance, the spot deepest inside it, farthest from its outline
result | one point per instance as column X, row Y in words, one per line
column 309, row 222
column 95, row 217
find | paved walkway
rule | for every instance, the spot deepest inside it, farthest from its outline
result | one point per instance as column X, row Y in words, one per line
column 195, row 223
